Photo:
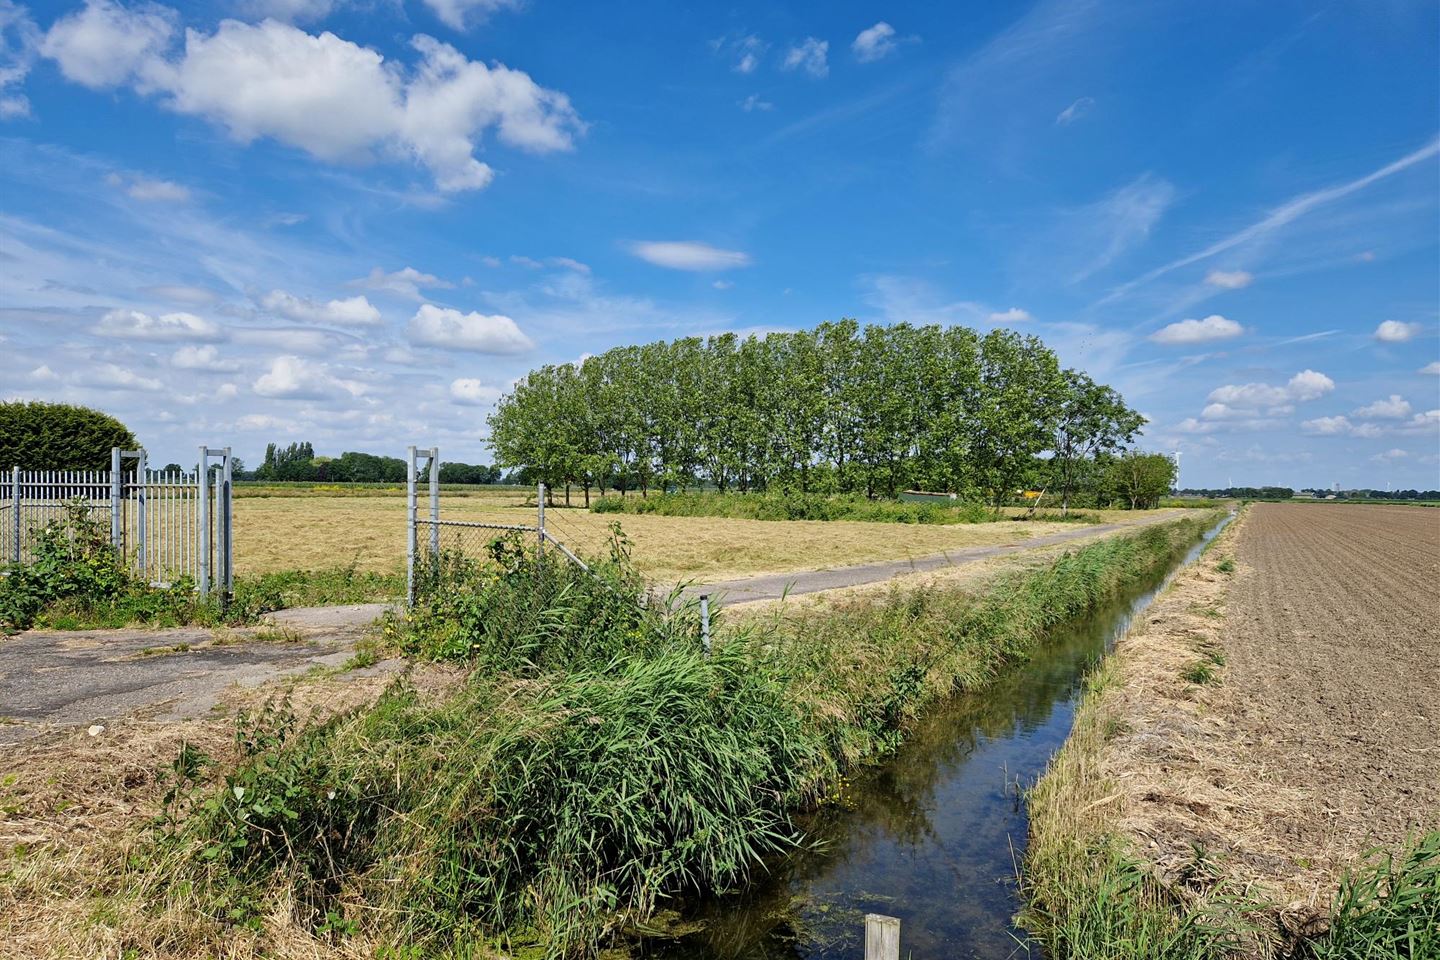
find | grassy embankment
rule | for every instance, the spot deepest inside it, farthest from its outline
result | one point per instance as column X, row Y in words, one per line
column 798, row 506
column 1093, row 894
column 593, row 764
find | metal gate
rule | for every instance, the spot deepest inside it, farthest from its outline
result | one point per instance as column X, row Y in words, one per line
column 168, row 525
column 430, row 533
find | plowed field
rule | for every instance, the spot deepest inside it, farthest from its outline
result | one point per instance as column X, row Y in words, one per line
column 1333, row 639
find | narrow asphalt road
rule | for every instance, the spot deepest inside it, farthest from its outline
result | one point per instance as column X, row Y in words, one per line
column 51, row 680
column 776, row 585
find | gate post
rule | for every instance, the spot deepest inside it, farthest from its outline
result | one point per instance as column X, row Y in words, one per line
column 117, row 537
column 410, row 526
column 15, row 509
column 540, row 517
column 143, row 519
column 202, row 480
column 226, row 579
column 434, row 504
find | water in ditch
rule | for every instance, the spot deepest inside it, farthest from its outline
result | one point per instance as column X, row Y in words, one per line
column 933, row 836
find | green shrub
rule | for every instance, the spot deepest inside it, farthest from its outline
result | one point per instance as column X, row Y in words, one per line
column 58, row 436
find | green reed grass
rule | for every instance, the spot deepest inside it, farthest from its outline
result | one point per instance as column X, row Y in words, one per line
column 595, row 762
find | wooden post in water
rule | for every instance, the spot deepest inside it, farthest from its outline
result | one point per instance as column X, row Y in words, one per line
column 882, row 937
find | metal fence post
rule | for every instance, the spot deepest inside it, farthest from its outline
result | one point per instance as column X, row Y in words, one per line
column 117, row 537
column 202, row 490
column 15, row 508
column 410, row 526
column 227, row 555
column 540, row 517
column 435, row 503
column 140, row 533
column 705, row 623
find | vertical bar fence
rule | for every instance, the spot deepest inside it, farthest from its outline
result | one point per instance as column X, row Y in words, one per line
column 159, row 520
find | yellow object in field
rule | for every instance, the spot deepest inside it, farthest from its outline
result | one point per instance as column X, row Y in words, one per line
column 1030, row 494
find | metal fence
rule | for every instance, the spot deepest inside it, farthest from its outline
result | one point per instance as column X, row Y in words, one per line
column 168, row 525
column 431, row 535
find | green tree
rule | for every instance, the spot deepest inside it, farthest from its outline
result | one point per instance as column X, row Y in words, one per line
column 35, row 435
column 1141, row 478
column 1013, row 412
column 1092, row 421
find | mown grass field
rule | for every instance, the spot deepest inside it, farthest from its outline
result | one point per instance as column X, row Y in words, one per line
column 290, row 531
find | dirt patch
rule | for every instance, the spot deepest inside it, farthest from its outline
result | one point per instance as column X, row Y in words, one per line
column 1278, row 707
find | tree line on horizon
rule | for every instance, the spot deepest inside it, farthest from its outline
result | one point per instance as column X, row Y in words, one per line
column 838, row 409
column 298, row 462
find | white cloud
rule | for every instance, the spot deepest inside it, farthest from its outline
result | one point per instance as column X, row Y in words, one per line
column 1075, row 111
column 1254, row 406
column 1393, row 455
column 116, row 377
column 105, row 44
column 1250, row 394
column 202, row 358
column 1394, row 331
column 569, row 264
column 158, row 190
column 688, row 255
column 332, row 98
column 753, row 102
column 1431, row 369
column 459, row 14
column 808, row 55
column 874, row 43
column 449, row 329
column 19, row 38
column 1229, row 279
column 722, row 284
column 1395, row 407
column 1309, row 385
column 1427, row 422
column 43, row 374
column 289, row 10
column 1208, row 330
column 134, row 325
column 1327, row 426
column 407, row 282
column 292, row 377
column 352, row 311
column 1013, row 315
column 472, row 393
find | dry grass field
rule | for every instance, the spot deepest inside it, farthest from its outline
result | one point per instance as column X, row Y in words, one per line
column 299, row 532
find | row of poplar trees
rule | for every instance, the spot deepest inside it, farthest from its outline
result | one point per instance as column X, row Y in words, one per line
column 838, row 409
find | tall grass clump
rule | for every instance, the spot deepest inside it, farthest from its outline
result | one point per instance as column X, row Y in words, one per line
column 1387, row 908
column 594, row 761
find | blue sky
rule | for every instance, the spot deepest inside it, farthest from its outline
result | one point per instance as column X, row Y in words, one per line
column 355, row 222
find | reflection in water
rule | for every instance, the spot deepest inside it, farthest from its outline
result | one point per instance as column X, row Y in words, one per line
column 934, row 835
